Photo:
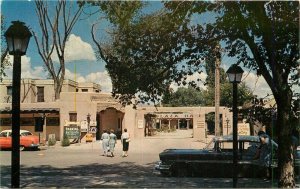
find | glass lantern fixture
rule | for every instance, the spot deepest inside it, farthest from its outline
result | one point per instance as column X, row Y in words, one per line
column 17, row 38
column 235, row 73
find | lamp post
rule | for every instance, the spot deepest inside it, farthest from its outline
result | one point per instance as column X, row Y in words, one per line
column 88, row 119
column 235, row 74
column 17, row 38
column 227, row 121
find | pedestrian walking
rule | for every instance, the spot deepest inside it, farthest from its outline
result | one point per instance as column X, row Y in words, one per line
column 112, row 142
column 125, row 138
column 264, row 152
column 105, row 144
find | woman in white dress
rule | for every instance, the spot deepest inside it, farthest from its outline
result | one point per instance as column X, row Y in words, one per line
column 112, row 142
column 105, row 140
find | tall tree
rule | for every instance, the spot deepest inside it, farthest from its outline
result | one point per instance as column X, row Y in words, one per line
column 4, row 51
column 142, row 49
column 184, row 97
column 55, row 30
column 244, row 93
column 265, row 37
column 164, row 47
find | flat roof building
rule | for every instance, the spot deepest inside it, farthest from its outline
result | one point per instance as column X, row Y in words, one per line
column 83, row 108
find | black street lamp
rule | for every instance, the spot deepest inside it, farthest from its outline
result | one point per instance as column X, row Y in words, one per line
column 88, row 119
column 17, row 38
column 227, row 121
column 235, row 74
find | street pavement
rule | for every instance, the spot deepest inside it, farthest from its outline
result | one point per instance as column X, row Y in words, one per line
column 83, row 166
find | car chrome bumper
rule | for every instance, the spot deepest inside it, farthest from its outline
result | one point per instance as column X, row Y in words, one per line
column 162, row 167
column 34, row 145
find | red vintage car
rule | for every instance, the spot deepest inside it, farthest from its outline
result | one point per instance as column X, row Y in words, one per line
column 27, row 140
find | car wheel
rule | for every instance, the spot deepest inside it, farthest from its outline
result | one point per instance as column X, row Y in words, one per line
column 22, row 148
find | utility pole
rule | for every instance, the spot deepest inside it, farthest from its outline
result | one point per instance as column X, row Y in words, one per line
column 217, row 90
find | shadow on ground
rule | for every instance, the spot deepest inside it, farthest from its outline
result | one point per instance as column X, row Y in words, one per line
column 120, row 175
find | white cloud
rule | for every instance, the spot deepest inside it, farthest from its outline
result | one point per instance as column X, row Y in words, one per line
column 26, row 70
column 257, row 84
column 202, row 76
column 76, row 49
column 101, row 78
column 74, row 76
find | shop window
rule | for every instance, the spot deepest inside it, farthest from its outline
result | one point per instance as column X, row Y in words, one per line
column 5, row 121
column 73, row 117
column 27, row 121
column 52, row 121
column 40, row 94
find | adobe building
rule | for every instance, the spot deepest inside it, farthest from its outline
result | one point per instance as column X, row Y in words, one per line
column 77, row 102
column 144, row 119
column 83, row 108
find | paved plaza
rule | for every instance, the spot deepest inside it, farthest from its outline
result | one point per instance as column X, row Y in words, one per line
column 83, row 166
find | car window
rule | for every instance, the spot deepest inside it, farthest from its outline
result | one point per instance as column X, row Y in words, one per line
column 3, row 134
column 26, row 133
column 210, row 145
column 9, row 134
column 250, row 148
column 226, row 145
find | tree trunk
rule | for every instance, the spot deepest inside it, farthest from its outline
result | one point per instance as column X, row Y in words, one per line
column 285, row 151
column 57, row 88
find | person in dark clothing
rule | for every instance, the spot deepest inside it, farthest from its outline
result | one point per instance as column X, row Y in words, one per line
column 264, row 152
column 125, row 138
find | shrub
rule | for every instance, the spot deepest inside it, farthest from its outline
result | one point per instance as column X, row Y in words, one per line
column 51, row 141
column 65, row 141
column 173, row 129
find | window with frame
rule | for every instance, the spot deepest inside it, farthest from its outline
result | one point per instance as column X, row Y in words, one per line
column 5, row 121
column 40, row 94
column 3, row 134
column 9, row 90
column 84, row 90
column 27, row 121
column 73, row 116
column 52, row 121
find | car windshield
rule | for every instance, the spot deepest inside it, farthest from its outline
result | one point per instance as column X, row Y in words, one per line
column 227, row 145
column 210, row 145
column 3, row 134
column 26, row 133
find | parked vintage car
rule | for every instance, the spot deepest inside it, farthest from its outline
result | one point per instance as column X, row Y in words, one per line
column 27, row 140
column 216, row 159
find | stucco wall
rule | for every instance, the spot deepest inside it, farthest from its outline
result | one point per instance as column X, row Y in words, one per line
column 76, row 102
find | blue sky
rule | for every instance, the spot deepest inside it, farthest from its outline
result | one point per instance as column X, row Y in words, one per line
column 80, row 48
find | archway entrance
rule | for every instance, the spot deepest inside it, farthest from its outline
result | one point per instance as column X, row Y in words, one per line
column 108, row 119
column 168, row 122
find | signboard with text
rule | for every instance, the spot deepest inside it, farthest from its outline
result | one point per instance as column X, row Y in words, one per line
column 72, row 131
column 243, row 129
column 140, row 124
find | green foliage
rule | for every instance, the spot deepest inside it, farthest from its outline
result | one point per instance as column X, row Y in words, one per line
column 51, row 141
column 184, row 97
column 192, row 97
column 119, row 13
column 65, row 141
column 160, row 48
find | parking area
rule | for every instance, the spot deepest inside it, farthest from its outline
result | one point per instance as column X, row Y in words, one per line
column 82, row 165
